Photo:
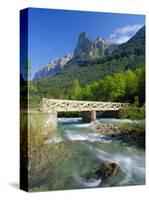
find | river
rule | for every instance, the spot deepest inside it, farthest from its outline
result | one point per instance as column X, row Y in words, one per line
column 80, row 152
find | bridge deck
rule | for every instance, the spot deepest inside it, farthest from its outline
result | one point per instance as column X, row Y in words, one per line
column 58, row 105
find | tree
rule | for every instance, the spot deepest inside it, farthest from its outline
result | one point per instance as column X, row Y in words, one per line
column 87, row 93
column 32, row 88
column 131, row 80
column 136, row 101
column 33, row 93
column 112, row 88
column 76, row 90
column 141, row 84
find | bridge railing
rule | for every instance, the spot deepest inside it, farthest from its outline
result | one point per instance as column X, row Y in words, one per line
column 60, row 105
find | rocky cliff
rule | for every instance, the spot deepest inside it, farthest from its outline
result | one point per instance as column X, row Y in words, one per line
column 52, row 67
column 85, row 49
column 97, row 48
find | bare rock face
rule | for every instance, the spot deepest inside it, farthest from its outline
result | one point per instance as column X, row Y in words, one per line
column 84, row 47
column 53, row 67
column 97, row 48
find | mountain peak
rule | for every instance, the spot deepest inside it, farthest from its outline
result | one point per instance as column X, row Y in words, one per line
column 53, row 67
column 82, row 36
column 86, row 48
column 83, row 47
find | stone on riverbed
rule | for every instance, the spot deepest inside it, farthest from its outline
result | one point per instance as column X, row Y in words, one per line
column 108, row 170
column 106, row 129
column 132, row 133
column 105, row 171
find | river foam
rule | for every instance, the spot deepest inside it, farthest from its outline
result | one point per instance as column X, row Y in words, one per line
column 90, row 137
column 74, row 135
column 83, row 125
column 89, row 183
column 69, row 120
column 92, row 151
column 131, row 165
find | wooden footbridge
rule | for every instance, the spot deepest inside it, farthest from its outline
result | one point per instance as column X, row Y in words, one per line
column 88, row 108
column 58, row 105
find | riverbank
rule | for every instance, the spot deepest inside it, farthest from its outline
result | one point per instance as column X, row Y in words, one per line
column 77, row 157
column 130, row 132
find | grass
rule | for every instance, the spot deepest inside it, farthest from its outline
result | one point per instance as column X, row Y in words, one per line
column 38, row 151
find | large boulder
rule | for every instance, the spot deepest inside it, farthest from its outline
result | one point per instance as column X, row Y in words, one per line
column 107, row 170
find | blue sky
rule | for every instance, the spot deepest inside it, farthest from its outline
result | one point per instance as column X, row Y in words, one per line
column 54, row 33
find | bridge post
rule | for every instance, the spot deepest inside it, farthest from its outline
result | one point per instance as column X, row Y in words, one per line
column 88, row 117
column 93, row 115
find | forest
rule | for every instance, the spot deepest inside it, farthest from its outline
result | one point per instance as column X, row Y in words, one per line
column 118, row 77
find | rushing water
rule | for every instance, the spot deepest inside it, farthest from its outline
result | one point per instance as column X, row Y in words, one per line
column 80, row 151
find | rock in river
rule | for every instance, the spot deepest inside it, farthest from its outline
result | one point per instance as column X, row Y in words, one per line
column 108, row 170
column 105, row 171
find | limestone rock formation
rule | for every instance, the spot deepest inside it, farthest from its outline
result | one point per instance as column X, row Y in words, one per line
column 85, row 49
column 97, row 48
column 52, row 67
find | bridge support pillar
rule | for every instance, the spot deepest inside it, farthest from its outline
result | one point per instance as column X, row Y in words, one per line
column 88, row 117
column 93, row 115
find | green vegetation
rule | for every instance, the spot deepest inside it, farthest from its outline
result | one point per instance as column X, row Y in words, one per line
column 38, row 152
column 119, row 76
column 133, row 134
column 76, row 89
column 123, row 86
column 132, row 129
column 128, row 86
column 133, row 112
column 109, row 71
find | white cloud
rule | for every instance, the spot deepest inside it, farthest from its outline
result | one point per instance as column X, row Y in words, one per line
column 121, row 39
column 123, row 34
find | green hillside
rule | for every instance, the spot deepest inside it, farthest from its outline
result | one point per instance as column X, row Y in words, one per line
column 128, row 56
